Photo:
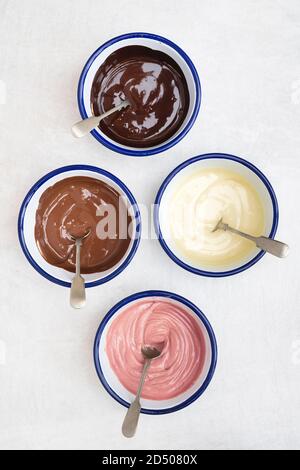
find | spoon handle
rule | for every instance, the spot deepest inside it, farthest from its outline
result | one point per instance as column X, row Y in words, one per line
column 78, row 250
column 77, row 293
column 132, row 416
column 81, row 128
column 85, row 126
column 238, row 232
column 274, row 247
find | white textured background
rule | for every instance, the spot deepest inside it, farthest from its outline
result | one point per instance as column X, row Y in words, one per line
column 247, row 54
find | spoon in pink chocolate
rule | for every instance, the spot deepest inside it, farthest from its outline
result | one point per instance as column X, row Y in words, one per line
column 132, row 416
column 82, row 128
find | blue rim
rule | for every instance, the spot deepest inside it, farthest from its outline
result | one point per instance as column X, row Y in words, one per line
column 65, row 169
column 159, row 196
column 161, row 148
column 187, row 303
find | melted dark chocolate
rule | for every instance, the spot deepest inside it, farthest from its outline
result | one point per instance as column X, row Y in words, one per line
column 72, row 207
column 157, row 91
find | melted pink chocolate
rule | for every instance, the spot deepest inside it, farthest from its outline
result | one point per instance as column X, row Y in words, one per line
column 169, row 328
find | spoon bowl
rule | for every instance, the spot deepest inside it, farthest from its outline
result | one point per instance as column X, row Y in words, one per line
column 73, row 238
column 150, row 352
column 218, row 225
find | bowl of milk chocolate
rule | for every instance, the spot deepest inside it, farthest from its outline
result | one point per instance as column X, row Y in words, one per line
column 158, row 80
column 72, row 202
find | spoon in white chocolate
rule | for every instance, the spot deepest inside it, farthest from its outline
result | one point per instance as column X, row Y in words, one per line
column 82, row 128
column 276, row 248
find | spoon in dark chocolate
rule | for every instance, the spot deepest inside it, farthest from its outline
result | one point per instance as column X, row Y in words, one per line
column 77, row 293
column 85, row 126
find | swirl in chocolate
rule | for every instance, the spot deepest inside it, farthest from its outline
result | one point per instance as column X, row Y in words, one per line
column 169, row 328
column 73, row 206
column 199, row 201
column 156, row 88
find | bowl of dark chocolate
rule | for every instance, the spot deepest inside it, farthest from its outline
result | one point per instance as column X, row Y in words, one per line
column 157, row 78
column 68, row 203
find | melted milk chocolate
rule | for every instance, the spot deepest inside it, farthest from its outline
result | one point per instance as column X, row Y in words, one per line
column 70, row 207
column 157, row 91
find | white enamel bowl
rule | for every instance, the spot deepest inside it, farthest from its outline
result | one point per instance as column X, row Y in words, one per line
column 214, row 160
column 26, row 224
column 155, row 42
column 111, row 382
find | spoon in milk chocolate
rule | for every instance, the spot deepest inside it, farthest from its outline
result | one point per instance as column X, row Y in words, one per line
column 132, row 416
column 276, row 248
column 77, row 293
column 85, row 126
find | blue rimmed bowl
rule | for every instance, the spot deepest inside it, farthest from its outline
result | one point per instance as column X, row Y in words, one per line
column 152, row 41
column 26, row 224
column 111, row 382
column 215, row 160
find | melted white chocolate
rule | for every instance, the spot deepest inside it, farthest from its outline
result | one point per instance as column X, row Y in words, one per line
column 200, row 200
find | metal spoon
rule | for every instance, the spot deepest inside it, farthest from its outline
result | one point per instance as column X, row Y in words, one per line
column 77, row 293
column 85, row 126
column 274, row 247
column 132, row 416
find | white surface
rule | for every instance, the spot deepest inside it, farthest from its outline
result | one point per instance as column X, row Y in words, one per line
column 247, row 55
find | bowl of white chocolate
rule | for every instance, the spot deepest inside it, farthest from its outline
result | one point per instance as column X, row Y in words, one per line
column 199, row 193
